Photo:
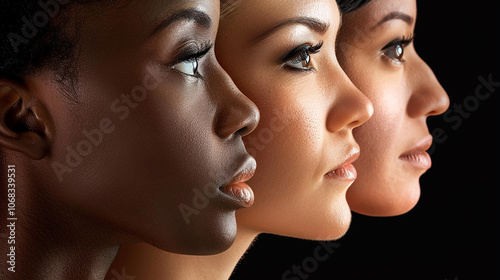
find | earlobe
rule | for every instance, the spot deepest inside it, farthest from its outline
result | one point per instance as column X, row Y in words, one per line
column 25, row 125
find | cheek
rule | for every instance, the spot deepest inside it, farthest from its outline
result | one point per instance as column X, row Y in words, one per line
column 379, row 138
column 287, row 143
column 381, row 183
column 149, row 155
column 167, row 139
column 284, row 182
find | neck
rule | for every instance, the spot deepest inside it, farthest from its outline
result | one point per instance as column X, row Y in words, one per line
column 47, row 241
column 144, row 261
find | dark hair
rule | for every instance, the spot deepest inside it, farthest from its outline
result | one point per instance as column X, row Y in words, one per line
column 33, row 37
column 347, row 6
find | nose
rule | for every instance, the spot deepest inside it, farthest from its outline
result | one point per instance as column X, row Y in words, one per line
column 351, row 108
column 235, row 113
column 428, row 96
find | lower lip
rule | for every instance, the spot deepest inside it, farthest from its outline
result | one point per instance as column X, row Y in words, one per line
column 239, row 192
column 421, row 160
column 346, row 172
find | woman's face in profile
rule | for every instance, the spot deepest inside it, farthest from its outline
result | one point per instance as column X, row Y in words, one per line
column 281, row 54
column 153, row 145
column 375, row 48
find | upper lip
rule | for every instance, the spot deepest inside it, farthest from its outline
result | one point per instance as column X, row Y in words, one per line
column 245, row 173
column 351, row 157
column 421, row 146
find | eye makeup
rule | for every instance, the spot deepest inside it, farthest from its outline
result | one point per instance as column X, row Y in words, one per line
column 395, row 49
column 299, row 58
column 186, row 61
column 194, row 51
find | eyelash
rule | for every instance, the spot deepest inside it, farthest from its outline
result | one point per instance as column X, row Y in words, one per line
column 299, row 54
column 192, row 53
column 392, row 46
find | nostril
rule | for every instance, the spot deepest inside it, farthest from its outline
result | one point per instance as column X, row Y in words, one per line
column 251, row 123
column 243, row 131
column 441, row 105
column 365, row 113
column 236, row 121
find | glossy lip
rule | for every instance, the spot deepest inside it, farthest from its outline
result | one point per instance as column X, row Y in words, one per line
column 237, row 189
column 346, row 171
column 417, row 155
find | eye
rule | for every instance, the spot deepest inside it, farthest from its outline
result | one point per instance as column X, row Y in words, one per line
column 188, row 67
column 300, row 57
column 395, row 50
column 301, row 61
column 187, row 61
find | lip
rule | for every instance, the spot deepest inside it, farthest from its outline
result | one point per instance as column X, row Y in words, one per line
column 236, row 189
column 345, row 171
column 417, row 155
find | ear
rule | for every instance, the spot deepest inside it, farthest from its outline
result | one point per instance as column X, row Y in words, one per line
column 25, row 125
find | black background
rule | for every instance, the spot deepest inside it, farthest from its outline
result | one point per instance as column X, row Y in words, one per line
column 453, row 233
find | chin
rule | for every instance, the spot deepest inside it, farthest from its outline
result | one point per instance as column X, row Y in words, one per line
column 330, row 228
column 318, row 234
column 200, row 237
column 317, row 227
column 389, row 200
column 340, row 230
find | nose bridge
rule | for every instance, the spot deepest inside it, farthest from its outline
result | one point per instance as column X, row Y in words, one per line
column 351, row 108
column 235, row 113
column 428, row 98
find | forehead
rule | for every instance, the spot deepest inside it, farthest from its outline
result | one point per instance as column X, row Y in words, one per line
column 210, row 7
column 376, row 10
column 258, row 15
column 147, row 11
column 133, row 21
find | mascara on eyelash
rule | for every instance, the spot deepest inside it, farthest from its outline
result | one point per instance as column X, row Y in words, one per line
column 405, row 40
column 300, row 49
column 193, row 52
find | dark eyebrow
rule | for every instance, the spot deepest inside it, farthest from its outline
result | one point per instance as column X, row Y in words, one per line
column 314, row 24
column 395, row 15
column 201, row 18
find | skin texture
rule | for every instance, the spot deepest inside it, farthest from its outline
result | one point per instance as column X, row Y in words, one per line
column 404, row 93
column 141, row 138
column 317, row 114
column 307, row 118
